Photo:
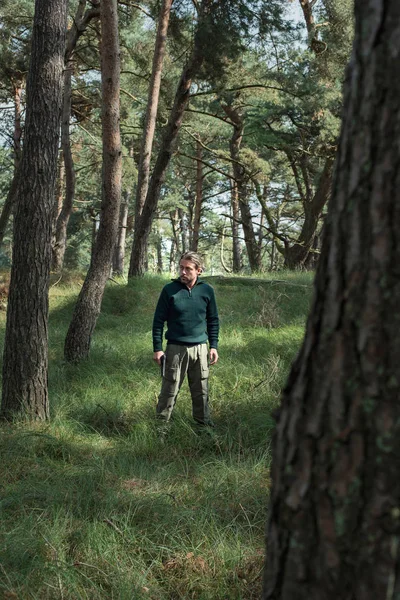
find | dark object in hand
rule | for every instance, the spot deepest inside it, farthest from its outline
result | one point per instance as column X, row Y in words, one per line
column 162, row 365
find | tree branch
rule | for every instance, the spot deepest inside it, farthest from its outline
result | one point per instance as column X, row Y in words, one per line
column 250, row 86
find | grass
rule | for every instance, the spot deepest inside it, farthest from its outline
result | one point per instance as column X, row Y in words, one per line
column 94, row 506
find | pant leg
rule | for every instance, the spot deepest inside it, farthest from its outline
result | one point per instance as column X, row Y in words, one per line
column 176, row 365
column 198, row 372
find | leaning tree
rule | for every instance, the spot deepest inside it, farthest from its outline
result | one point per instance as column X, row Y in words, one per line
column 334, row 520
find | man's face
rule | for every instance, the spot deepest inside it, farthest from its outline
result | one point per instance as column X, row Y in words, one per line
column 189, row 272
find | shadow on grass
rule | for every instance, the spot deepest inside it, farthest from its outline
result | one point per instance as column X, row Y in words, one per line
column 95, row 503
column 65, row 503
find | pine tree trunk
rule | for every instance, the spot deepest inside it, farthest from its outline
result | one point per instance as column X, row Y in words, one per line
column 172, row 258
column 199, row 198
column 261, row 234
column 8, row 206
column 17, row 137
column 160, row 267
column 152, row 107
column 87, row 309
column 236, row 255
column 119, row 252
column 235, row 142
column 184, row 230
column 138, row 257
column 60, row 238
column 334, row 514
column 59, row 245
column 25, row 361
column 173, row 215
column 253, row 251
column 58, row 200
column 149, row 127
column 191, row 200
column 296, row 254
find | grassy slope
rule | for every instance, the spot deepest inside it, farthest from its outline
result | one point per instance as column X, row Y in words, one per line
column 93, row 505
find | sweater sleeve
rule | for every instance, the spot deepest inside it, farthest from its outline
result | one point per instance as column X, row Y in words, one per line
column 212, row 321
column 160, row 316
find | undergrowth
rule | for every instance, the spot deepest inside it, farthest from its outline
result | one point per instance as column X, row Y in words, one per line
column 95, row 505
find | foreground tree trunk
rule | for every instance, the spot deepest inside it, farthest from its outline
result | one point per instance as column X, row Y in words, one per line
column 26, row 345
column 87, row 309
column 334, row 514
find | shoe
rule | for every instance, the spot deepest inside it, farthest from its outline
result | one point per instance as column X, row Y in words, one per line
column 162, row 431
column 209, row 423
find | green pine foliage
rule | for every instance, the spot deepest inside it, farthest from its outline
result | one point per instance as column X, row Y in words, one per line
column 96, row 505
column 256, row 61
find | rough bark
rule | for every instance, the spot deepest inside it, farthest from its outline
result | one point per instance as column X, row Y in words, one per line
column 25, row 363
column 199, row 198
column 137, row 265
column 334, row 513
column 87, row 309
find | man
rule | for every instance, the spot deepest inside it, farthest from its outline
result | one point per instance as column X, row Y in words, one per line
column 188, row 306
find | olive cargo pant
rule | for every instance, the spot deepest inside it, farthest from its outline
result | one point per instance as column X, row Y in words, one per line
column 179, row 361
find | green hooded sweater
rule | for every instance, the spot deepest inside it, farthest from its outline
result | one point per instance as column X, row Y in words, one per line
column 191, row 315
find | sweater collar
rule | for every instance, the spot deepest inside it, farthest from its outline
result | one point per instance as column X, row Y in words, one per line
column 178, row 280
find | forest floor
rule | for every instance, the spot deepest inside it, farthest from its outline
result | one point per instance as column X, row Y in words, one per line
column 93, row 505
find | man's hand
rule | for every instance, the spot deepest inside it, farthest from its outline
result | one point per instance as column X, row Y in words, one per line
column 157, row 356
column 213, row 356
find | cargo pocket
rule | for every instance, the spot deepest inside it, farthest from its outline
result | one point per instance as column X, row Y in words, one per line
column 205, row 371
column 171, row 373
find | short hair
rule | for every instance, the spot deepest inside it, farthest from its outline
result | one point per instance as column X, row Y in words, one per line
column 194, row 258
